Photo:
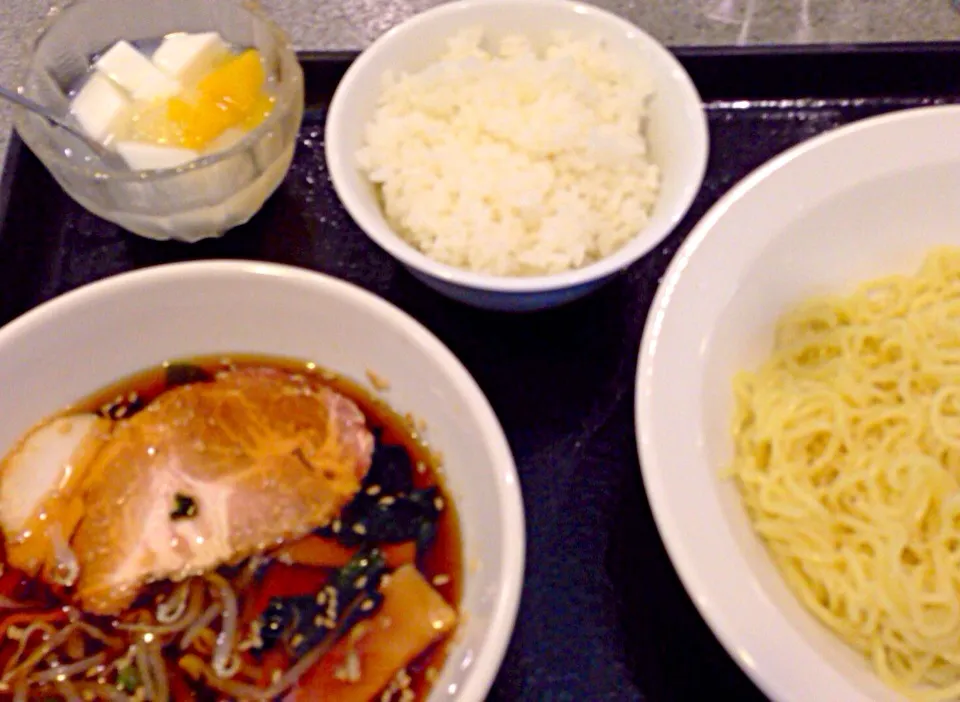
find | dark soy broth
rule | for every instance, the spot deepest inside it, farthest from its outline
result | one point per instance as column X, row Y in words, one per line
column 441, row 563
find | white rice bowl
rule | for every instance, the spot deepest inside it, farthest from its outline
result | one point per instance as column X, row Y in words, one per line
column 502, row 159
column 559, row 242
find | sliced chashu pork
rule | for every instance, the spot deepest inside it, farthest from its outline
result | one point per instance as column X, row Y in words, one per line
column 211, row 473
column 207, row 474
column 40, row 493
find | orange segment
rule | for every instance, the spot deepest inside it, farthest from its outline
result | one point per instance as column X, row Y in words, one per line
column 261, row 110
column 237, row 84
column 199, row 122
column 231, row 95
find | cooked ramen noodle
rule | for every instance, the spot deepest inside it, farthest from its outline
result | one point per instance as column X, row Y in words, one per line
column 847, row 455
column 245, row 529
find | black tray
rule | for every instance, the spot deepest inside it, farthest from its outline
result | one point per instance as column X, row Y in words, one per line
column 603, row 615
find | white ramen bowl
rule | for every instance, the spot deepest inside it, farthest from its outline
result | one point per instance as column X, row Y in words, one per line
column 676, row 134
column 89, row 338
column 859, row 202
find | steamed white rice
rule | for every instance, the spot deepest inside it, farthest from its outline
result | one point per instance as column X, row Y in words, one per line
column 510, row 161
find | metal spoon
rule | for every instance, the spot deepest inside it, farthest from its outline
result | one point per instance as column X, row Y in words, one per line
column 55, row 120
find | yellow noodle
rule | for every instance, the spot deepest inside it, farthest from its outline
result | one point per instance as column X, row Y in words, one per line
column 847, row 456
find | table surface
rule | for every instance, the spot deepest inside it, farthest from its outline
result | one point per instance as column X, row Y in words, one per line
column 351, row 24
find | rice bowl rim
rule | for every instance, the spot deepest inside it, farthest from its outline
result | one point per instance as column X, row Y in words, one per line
column 666, row 216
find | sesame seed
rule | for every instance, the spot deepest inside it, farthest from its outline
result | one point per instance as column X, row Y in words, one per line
column 276, row 675
column 378, row 382
column 373, row 490
column 385, row 580
column 361, row 582
column 336, row 526
column 421, row 467
column 318, row 621
column 321, row 598
column 438, row 503
column 441, row 580
column 296, row 640
column 367, row 605
column 387, row 501
column 359, row 529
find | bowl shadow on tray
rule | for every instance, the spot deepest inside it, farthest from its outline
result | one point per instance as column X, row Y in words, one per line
column 558, row 380
column 664, row 633
column 284, row 231
column 561, row 384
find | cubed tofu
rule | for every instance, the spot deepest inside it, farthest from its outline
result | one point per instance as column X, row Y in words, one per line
column 188, row 57
column 141, row 156
column 136, row 74
column 99, row 107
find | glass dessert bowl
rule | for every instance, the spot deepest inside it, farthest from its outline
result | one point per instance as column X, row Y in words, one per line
column 210, row 190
